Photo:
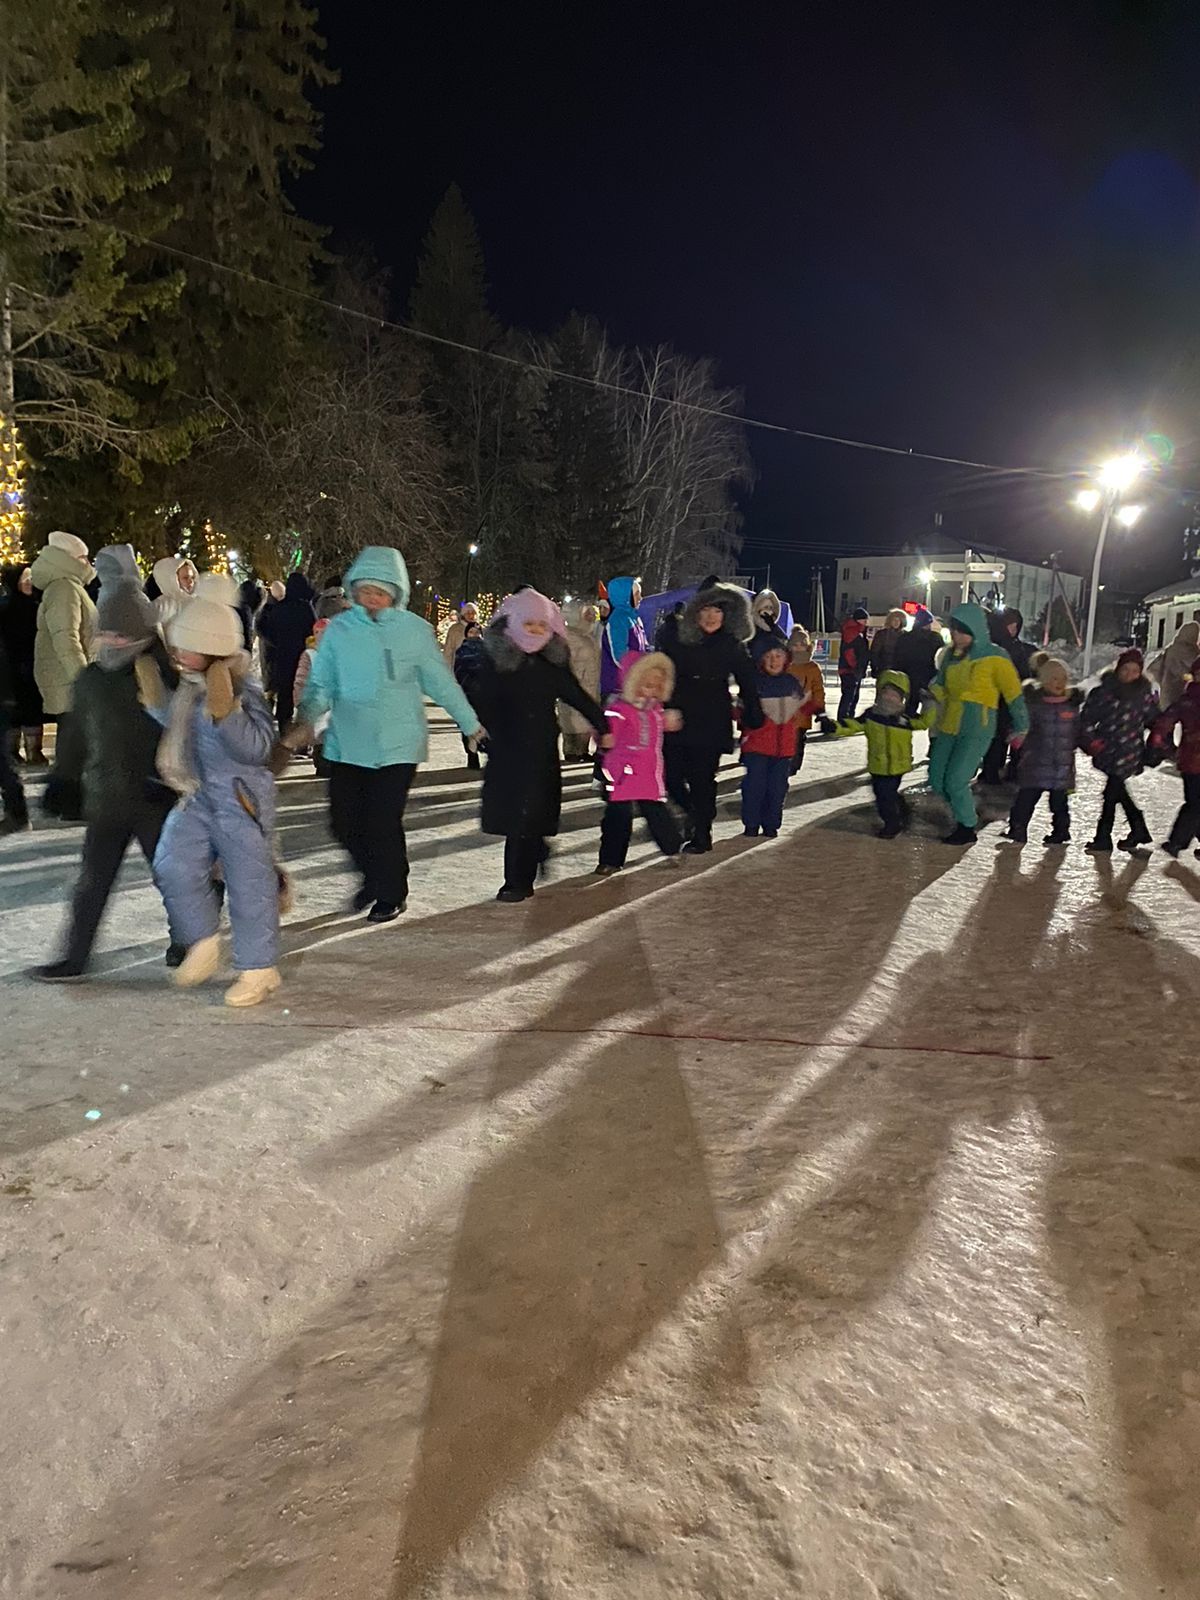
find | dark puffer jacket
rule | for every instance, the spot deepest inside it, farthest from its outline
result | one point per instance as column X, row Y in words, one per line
column 916, row 657
column 516, row 697
column 1047, row 759
column 287, row 627
column 1115, row 718
column 704, row 665
column 113, row 745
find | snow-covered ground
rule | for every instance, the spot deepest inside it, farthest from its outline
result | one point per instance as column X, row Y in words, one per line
column 818, row 1219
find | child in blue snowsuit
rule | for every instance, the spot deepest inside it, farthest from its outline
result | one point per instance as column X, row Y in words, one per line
column 216, row 752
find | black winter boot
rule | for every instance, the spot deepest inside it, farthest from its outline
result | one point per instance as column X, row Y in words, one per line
column 961, row 835
column 1138, row 835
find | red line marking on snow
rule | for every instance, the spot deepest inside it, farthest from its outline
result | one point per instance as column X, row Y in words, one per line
column 686, row 1038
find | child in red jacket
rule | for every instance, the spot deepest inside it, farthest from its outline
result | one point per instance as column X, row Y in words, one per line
column 1184, row 714
column 768, row 752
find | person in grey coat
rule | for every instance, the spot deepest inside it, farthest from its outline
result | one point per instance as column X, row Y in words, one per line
column 1046, row 760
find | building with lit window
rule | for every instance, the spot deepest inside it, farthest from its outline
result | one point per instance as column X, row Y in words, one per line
column 1169, row 609
column 934, row 577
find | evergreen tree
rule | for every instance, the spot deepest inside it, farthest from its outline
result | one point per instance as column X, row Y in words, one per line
column 487, row 412
column 70, row 76
column 237, row 125
column 222, row 105
column 587, row 489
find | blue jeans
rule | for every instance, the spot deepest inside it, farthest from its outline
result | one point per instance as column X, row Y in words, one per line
column 764, row 789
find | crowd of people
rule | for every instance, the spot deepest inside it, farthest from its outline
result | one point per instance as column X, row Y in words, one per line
column 177, row 703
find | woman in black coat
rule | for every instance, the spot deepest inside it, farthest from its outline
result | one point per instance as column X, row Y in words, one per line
column 287, row 627
column 526, row 672
column 916, row 656
column 18, row 626
column 709, row 651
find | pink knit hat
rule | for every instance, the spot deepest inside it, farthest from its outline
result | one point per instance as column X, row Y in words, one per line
column 527, row 605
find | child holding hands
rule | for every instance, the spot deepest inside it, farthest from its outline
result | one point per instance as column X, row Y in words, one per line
column 633, row 760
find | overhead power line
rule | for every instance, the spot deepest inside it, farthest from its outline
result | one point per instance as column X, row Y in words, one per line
column 312, row 298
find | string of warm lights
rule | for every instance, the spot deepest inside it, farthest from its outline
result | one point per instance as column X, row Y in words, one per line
column 216, row 550
column 12, row 495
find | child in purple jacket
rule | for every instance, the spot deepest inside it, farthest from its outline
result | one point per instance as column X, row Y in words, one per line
column 633, row 765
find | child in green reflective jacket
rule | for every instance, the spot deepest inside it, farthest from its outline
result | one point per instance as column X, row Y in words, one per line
column 889, row 732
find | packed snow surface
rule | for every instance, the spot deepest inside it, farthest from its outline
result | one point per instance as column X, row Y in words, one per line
column 818, row 1219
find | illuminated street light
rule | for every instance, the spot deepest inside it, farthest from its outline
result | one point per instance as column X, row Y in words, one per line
column 925, row 576
column 1122, row 472
column 472, row 552
column 1115, row 476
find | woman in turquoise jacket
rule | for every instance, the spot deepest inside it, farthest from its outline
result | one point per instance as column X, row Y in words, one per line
column 376, row 665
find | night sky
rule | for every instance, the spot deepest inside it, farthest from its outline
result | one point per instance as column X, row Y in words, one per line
column 967, row 233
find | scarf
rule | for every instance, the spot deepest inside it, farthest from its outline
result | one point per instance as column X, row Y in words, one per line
column 176, row 767
column 115, row 657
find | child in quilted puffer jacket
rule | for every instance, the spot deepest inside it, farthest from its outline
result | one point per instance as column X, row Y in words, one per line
column 769, row 750
column 633, row 765
column 1046, row 764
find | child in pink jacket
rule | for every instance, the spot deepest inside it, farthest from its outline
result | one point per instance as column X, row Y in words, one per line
column 633, row 765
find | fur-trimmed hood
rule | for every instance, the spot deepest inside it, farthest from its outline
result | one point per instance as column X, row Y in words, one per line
column 1037, row 692
column 634, row 668
column 734, row 607
column 767, row 608
column 506, row 656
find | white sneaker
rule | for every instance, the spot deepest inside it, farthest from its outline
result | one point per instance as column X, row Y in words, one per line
column 251, row 988
column 198, row 966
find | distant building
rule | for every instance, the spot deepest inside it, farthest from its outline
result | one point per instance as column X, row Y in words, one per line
column 1170, row 607
column 883, row 581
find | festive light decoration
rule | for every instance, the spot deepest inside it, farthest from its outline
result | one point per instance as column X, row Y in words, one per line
column 12, row 494
column 216, row 550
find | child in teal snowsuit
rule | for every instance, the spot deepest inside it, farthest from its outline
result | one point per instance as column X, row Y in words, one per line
column 973, row 676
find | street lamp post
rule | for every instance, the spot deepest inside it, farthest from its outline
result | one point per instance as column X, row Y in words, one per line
column 472, row 552
column 1114, row 478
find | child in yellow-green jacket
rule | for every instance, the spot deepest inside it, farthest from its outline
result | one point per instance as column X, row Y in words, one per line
column 889, row 734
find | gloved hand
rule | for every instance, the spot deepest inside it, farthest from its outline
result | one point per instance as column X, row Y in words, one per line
column 281, row 757
column 152, row 691
column 218, row 690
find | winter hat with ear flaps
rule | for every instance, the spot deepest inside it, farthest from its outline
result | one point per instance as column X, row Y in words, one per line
column 207, row 623
column 67, row 542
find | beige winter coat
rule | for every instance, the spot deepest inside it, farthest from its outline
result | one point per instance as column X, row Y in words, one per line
column 66, row 626
column 1169, row 669
column 583, row 642
column 455, row 634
